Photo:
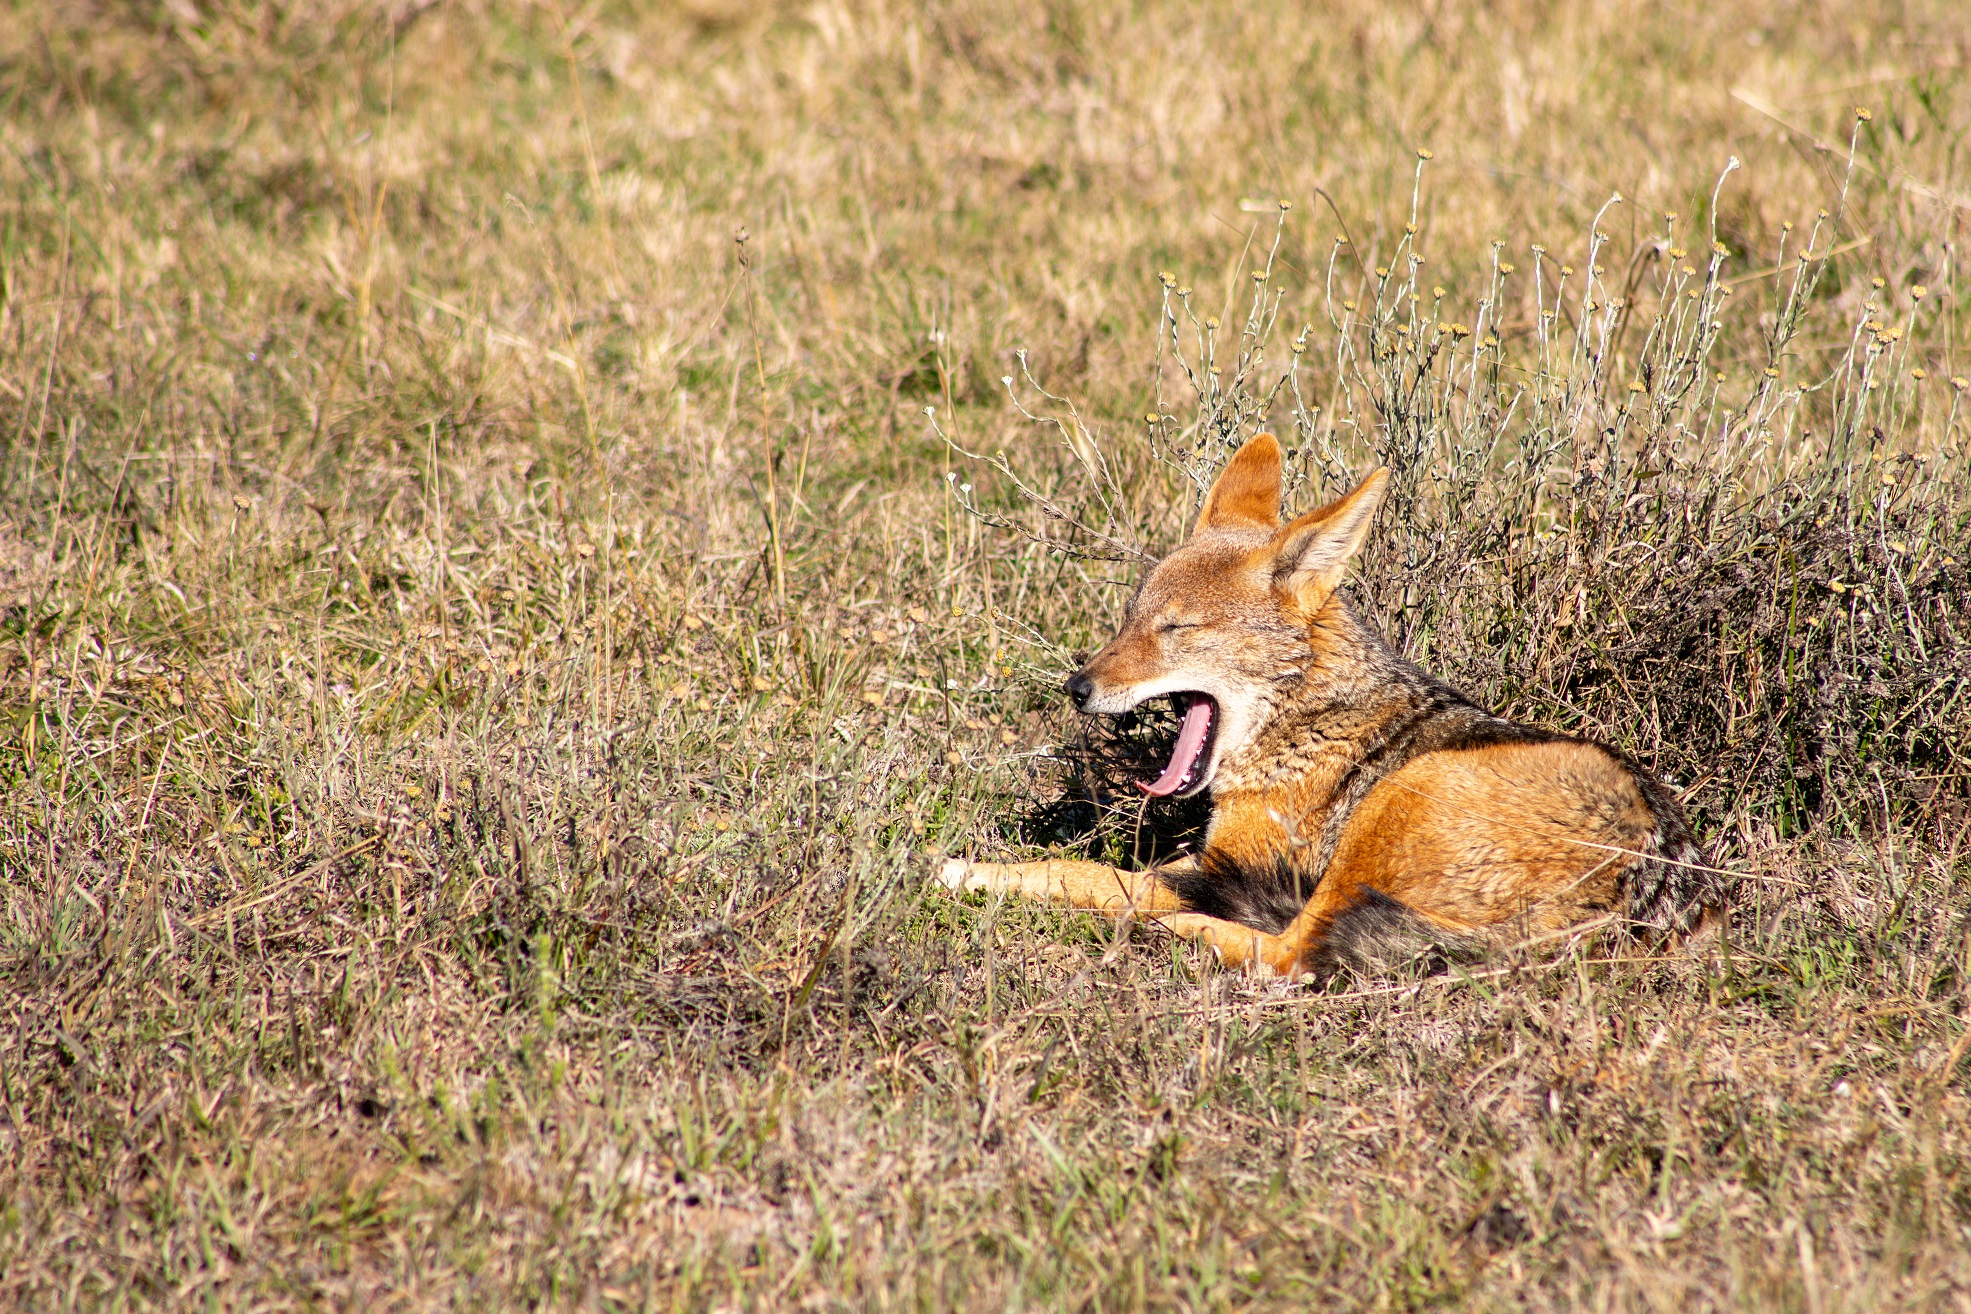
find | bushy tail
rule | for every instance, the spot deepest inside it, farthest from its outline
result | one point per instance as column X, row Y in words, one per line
column 1377, row 935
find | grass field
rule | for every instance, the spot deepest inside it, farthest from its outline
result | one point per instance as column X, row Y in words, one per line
column 490, row 651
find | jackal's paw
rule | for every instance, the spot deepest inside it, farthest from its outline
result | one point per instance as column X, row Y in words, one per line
column 952, row 874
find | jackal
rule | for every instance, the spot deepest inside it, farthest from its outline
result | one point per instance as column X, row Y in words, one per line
column 1363, row 812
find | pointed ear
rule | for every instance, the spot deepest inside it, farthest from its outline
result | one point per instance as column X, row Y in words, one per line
column 1311, row 553
column 1248, row 489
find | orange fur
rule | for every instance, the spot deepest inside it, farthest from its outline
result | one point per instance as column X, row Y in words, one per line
column 1361, row 809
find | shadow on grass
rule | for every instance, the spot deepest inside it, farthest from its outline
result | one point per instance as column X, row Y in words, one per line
column 1099, row 812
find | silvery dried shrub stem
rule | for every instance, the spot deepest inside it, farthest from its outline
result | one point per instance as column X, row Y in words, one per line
column 1593, row 520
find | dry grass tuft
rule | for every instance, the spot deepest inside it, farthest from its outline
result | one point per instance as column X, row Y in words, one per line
column 486, row 658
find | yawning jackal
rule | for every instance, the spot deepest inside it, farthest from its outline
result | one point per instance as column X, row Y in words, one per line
column 1362, row 810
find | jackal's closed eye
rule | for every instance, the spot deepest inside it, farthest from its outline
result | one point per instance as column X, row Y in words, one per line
column 1165, row 627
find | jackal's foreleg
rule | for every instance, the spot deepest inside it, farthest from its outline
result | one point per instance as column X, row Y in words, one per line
column 1102, row 888
column 1078, row 884
column 1239, row 948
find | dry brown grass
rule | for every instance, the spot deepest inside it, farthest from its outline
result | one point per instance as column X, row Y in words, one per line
column 484, row 667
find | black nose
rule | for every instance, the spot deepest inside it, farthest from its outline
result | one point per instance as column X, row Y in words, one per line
column 1080, row 688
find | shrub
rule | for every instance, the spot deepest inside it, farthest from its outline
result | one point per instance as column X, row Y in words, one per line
column 1745, row 574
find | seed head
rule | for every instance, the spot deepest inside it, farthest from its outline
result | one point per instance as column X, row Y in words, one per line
column 1505, row 269
column 1423, row 152
column 1918, row 292
column 1862, row 115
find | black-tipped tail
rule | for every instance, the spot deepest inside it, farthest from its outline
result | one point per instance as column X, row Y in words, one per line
column 1376, row 935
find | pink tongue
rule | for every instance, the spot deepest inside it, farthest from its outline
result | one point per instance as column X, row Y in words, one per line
column 1197, row 722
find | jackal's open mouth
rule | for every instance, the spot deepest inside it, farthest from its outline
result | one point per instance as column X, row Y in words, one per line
column 1193, row 750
